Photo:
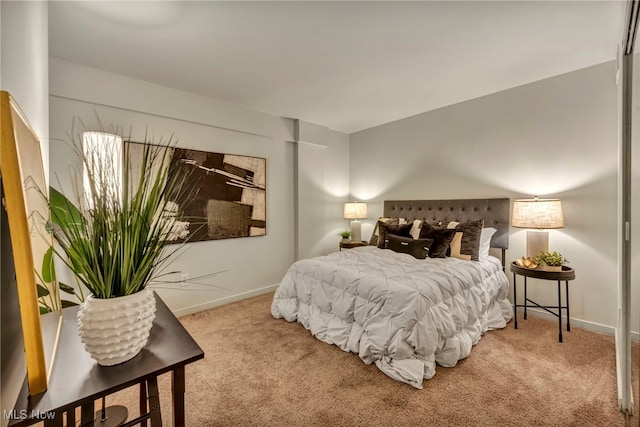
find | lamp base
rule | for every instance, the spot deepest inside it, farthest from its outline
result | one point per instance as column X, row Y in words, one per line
column 356, row 231
column 537, row 241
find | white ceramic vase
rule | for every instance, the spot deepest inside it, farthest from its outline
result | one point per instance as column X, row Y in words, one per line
column 114, row 330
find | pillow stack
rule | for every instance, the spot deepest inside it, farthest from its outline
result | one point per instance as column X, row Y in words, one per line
column 387, row 228
column 441, row 239
column 468, row 241
column 390, row 221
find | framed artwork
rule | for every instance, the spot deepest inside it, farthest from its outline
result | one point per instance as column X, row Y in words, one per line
column 230, row 200
column 24, row 187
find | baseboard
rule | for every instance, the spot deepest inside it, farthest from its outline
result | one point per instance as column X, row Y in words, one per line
column 226, row 300
column 582, row 324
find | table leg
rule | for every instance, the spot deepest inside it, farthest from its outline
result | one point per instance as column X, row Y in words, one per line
column 71, row 417
column 559, row 311
column 87, row 414
column 177, row 390
column 515, row 303
column 525, row 297
column 154, row 402
column 566, row 294
column 144, row 408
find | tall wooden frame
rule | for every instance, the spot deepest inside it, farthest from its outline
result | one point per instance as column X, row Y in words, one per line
column 16, row 139
column 625, row 178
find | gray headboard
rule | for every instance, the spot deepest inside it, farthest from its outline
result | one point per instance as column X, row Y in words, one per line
column 495, row 213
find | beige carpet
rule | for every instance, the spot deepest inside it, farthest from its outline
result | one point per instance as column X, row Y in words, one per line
column 259, row 371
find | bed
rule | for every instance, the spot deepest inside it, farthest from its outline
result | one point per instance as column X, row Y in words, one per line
column 404, row 314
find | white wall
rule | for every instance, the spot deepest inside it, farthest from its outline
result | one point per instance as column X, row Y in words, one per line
column 24, row 71
column 554, row 137
column 322, row 161
column 251, row 265
column 24, row 53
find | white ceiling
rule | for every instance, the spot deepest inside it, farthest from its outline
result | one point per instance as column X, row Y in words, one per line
column 345, row 65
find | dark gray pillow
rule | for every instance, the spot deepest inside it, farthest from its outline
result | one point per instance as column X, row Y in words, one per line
column 471, row 231
column 441, row 239
column 418, row 248
column 374, row 239
column 385, row 228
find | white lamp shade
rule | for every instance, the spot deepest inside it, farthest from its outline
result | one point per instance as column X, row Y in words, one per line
column 537, row 213
column 355, row 210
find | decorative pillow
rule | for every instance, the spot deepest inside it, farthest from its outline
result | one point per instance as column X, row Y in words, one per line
column 385, row 228
column 415, row 229
column 470, row 242
column 485, row 241
column 456, row 244
column 418, row 248
column 441, row 239
column 374, row 236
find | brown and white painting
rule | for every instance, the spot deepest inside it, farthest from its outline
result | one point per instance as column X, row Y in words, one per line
column 230, row 200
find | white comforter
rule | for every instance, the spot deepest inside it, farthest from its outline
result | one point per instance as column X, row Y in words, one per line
column 398, row 312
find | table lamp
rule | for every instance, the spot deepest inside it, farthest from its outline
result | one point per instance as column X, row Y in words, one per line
column 538, row 214
column 355, row 211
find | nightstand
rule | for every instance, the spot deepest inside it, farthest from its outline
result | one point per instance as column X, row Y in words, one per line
column 350, row 244
column 565, row 275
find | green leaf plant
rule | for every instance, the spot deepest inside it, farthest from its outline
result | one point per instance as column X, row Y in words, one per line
column 552, row 259
column 48, row 280
column 116, row 240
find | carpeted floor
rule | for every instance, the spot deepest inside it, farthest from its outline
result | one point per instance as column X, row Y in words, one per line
column 259, row 371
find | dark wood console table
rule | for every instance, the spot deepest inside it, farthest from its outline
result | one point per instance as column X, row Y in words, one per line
column 77, row 380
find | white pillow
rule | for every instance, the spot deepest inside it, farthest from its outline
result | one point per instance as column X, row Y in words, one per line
column 415, row 229
column 485, row 241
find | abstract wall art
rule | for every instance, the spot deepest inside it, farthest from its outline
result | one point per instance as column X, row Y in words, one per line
column 230, row 200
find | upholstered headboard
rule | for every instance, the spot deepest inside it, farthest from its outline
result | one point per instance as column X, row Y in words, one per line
column 495, row 213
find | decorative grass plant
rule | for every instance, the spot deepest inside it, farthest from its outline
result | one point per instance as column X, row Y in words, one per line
column 114, row 238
